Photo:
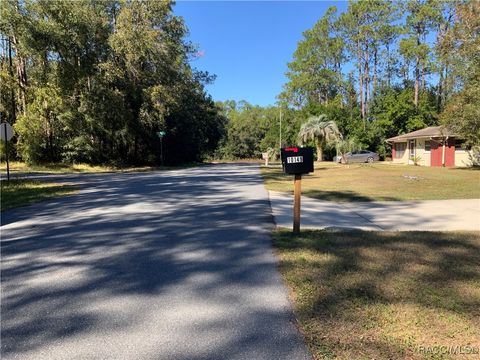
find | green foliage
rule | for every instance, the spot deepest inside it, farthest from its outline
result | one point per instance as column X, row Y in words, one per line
column 321, row 131
column 90, row 81
column 394, row 111
column 251, row 130
column 387, row 44
column 112, row 73
column 462, row 113
column 345, row 146
column 39, row 131
column 416, row 160
column 315, row 71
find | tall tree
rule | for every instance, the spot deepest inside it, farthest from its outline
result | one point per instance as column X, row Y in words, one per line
column 462, row 112
column 443, row 49
column 422, row 16
column 315, row 72
column 121, row 70
column 367, row 27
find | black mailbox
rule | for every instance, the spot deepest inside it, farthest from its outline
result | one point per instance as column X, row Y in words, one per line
column 297, row 160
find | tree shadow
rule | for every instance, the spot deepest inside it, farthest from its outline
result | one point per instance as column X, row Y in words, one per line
column 368, row 280
column 345, row 196
column 131, row 252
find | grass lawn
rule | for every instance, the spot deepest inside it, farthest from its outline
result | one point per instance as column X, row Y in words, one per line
column 383, row 295
column 23, row 192
column 379, row 181
column 17, row 166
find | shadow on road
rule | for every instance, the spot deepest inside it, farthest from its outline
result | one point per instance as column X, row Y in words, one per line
column 70, row 266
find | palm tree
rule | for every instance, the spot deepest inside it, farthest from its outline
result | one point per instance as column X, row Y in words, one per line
column 344, row 147
column 321, row 130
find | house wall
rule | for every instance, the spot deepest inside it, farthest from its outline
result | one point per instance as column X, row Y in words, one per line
column 462, row 158
column 420, row 152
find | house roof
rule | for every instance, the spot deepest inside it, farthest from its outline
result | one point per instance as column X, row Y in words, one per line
column 432, row 131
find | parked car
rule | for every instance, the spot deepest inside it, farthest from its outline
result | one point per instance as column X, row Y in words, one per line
column 358, row 156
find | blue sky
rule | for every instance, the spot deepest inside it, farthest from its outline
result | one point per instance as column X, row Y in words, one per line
column 248, row 44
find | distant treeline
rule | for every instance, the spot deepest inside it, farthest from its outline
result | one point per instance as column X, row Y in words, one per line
column 380, row 69
column 95, row 81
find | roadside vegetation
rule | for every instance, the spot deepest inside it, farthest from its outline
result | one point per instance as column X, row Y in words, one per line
column 371, row 70
column 60, row 168
column 19, row 166
column 126, row 90
column 383, row 295
column 379, row 182
column 16, row 193
column 103, row 82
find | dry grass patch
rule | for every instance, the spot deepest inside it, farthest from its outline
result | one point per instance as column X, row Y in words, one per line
column 17, row 193
column 383, row 295
column 379, row 181
column 58, row 168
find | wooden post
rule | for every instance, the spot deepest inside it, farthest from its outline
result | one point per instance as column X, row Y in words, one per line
column 296, row 203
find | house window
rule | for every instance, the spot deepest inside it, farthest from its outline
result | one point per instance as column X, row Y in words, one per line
column 400, row 150
column 460, row 145
column 427, row 145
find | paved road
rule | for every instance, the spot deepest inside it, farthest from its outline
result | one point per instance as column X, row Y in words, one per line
column 430, row 215
column 160, row 265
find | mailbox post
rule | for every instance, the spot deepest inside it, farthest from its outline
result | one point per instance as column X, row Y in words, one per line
column 297, row 161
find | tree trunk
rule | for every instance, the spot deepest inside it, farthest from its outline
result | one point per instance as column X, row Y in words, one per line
column 417, row 75
column 319, row 150
column 362, row 103
column 366, row 73
column 12, row 93
column 446, row 84
column 375, row 60
column 389, row 67
column 417, row 83
column 21, row 74
column 440, row 90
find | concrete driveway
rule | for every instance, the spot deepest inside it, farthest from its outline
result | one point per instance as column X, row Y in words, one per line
column 159, row 265
column 430, row 215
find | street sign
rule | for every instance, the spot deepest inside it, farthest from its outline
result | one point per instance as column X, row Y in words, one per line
column 6, row 131
column 297, row 160
column 161, row 134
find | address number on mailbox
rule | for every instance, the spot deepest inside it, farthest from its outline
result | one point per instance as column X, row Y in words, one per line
column 294, row 159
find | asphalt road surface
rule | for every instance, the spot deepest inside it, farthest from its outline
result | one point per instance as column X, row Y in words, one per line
column 157, row 265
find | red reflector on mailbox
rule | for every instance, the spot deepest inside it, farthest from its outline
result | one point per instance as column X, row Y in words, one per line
column 297, row 160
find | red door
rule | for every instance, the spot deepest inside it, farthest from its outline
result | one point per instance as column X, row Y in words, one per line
column 450, row 152
column 435, row 152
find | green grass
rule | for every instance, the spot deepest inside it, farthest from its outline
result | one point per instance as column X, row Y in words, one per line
column 383, row 295
column 58, row 168
column 379, row 181
column 18, row 193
